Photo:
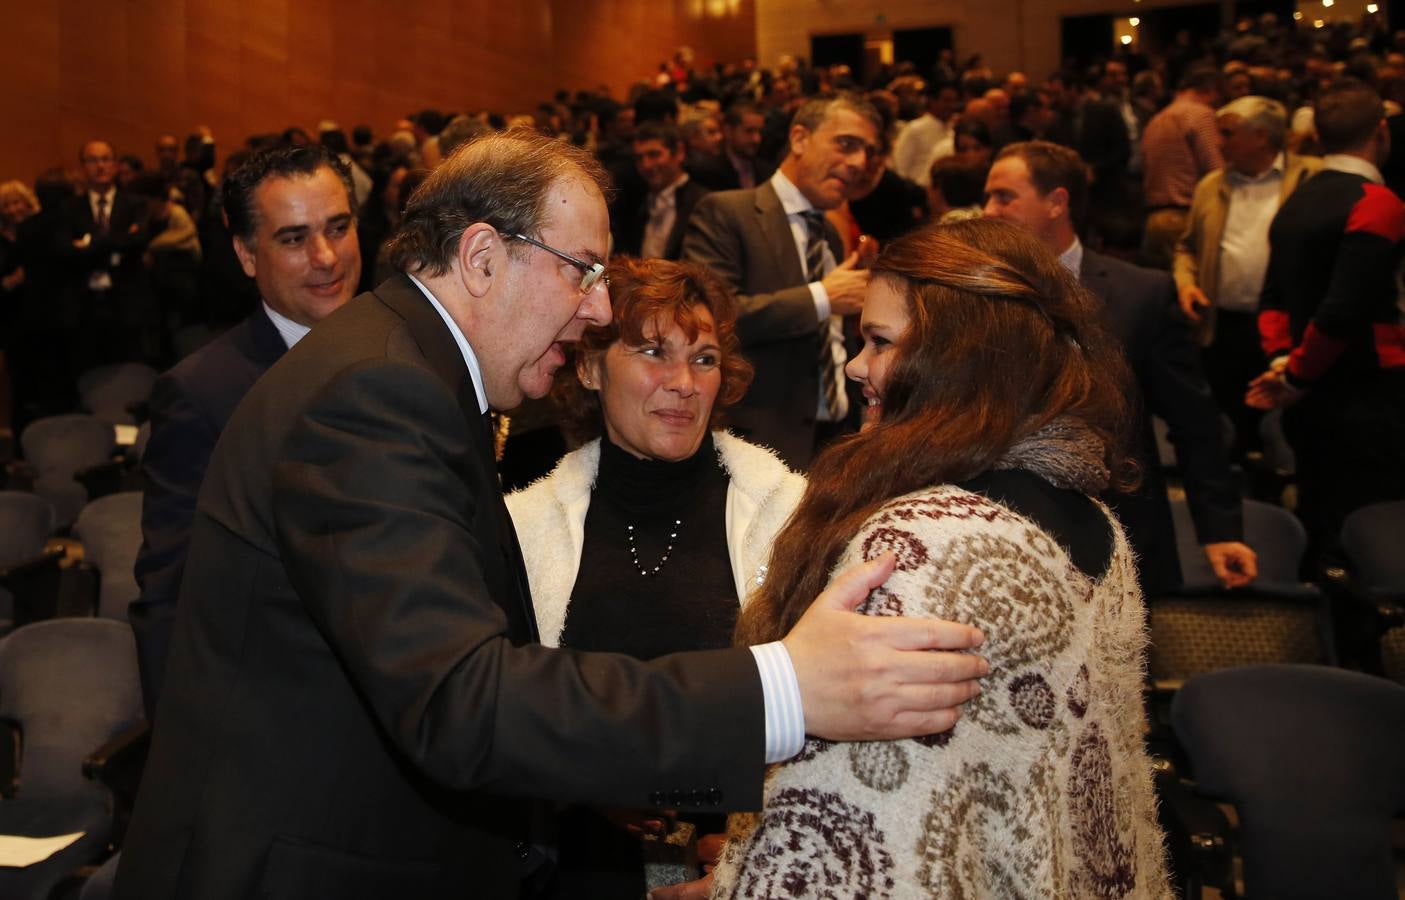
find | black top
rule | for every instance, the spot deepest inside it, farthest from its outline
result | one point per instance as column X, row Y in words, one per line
column 1069, row 517
column 691, row 604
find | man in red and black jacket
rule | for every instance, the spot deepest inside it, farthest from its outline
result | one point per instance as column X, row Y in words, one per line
column 1330, row 319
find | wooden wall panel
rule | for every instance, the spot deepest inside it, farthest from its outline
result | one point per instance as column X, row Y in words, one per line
column 131, row 70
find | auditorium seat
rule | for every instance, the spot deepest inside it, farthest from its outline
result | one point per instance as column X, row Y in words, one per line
column 1310, row 758
column 67, row 686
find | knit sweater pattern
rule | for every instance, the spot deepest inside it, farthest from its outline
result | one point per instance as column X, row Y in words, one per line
column 1043, row 789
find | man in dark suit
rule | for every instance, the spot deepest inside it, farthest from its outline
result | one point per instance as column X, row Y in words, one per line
column 354, row 687
column 1042, row 186
column 301, row 193
column 107, row 234
column 737, row 167
column 775, row 248
column 654, row 229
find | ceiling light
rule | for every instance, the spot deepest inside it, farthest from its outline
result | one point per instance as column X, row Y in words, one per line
column 1126, row 39
column 1318, row 23
column 1372, row 8
column 1297, row 17
column 1134, row 21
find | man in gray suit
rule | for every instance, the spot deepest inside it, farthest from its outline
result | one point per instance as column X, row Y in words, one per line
column 775, row 248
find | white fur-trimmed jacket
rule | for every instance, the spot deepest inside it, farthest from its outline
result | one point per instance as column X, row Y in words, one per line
column 550, row 515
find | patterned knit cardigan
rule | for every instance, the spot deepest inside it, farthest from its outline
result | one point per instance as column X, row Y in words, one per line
column 1043, row 789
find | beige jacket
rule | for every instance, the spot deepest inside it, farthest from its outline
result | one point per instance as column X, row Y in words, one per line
column 1198, row 251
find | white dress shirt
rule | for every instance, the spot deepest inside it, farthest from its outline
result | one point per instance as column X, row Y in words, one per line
column 796, row 205
column 1253, row 202
column 663, row 213
column 291, row 332
column 780, row 689
column 1072, row 257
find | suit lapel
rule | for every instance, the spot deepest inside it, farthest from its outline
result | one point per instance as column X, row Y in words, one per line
column 442, row 353
column 775, row 226
column 268, row 346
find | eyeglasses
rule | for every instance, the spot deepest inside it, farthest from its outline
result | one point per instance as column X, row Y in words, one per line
column 591, row 273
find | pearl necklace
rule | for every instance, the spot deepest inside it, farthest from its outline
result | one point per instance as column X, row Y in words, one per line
column 634, row 551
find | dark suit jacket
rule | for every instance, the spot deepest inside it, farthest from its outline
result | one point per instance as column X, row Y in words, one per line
column 131, row 301
column 685, row 199
column 1139, row 308
column 745, row 237
column 189, row 408
column 353, row 686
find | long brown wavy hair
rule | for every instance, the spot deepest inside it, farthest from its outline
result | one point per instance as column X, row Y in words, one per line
column 1001, row 341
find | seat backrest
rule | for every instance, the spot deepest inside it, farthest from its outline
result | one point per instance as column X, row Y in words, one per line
column 107, row 391
column 1311, row 758
column 110, row 529
column 61, row 445
column 1373, row 538
column 1273, row 532
column 26, row 521
column 1194, row 635
column 72, row 685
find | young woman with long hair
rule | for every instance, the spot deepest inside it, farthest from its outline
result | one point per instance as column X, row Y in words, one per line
column 996, row 410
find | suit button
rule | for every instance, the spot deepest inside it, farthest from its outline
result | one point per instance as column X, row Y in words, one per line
column 657, row 798
column 699, row 797
column 520, row 848
column 678, row 798
column 714, row 797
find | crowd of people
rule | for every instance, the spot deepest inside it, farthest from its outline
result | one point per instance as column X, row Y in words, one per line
column 746, row 330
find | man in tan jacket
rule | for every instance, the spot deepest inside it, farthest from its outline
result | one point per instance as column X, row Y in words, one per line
column 1221, row 259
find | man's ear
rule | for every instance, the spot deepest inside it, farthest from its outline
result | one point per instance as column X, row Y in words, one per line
column 481, row 257
column 246, row 256
column 799, row 139
column 1058, row 203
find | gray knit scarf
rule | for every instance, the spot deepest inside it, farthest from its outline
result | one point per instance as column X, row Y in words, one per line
column 1065, row 452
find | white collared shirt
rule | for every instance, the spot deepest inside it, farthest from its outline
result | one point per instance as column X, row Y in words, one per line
column 291, row 332
column 796, row 205
column 1072, row 257
column 780, row 689
column 1253, row 202
column 663, row 214
column 1354, row 165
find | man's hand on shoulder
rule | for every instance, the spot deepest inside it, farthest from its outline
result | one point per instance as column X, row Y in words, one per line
column 876, row 677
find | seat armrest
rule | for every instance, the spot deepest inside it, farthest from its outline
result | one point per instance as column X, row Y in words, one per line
column 1198, row 829
column 19, row 476
column 11, row 744
column 119, row 762
column 34, row 585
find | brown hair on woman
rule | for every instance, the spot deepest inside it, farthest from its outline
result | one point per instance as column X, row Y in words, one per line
column 642, row 292
column 1001, row 341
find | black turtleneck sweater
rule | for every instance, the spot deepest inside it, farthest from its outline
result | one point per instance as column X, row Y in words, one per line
column 692, row 603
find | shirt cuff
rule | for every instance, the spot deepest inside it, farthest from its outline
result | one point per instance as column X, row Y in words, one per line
column 821, row 297
column 780, row 691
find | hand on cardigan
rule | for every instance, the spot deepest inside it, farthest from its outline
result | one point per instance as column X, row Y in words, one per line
column 865, row 678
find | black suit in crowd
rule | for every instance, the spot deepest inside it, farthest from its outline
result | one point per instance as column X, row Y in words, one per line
column 895, row 207
column 354, row 688
column 631, row 231
column 120, row 323
column 189, row 408
column 745, row 237
column 1139, row 308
